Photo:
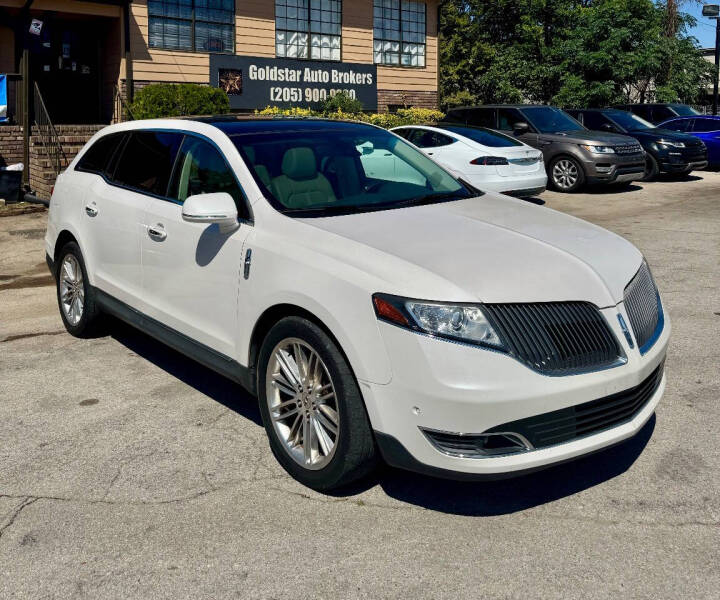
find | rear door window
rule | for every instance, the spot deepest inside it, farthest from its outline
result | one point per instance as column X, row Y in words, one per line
column 481, row 117
column 423, row 138
column 147, row 161
column 679, row 125
column 404, row 132
column 98, row 156
column 642, row 110
column 705, row 125
column 594, row 120
column 662, row 113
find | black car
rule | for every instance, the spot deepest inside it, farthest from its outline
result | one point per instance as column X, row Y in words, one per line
column 659, row 112
column 666, row 151
column 573, row 154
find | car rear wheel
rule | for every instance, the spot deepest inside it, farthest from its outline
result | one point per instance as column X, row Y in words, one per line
column 566, row 174
column 76, row 297
column 312, row 408
column 651, row 168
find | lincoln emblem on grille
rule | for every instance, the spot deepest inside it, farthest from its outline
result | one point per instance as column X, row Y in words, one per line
column 625, row 330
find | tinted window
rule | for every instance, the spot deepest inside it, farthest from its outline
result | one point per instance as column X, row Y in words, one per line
column 201, row 169
column 147, row 161
column 642, row 110
column 405, row 132
column 702, row 125
column 548, row 119
column 507, row 117
column 594, row 120
column 662, row 113
column 481, row 117
column 98, row 155
column 629, row 121
column 484, row 136
column 423, row 138
column 677, row 124
column 457, row 115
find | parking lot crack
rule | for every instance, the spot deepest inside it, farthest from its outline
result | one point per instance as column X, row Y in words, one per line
column 27, row 501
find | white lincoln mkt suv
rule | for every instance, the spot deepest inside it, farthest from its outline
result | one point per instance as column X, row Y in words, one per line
column 407, row 317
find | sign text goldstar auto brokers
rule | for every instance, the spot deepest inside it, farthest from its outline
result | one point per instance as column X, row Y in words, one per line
column 254, row 82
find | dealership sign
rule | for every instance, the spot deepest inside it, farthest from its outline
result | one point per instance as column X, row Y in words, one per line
column 254, row 82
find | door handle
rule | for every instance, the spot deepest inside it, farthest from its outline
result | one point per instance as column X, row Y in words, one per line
column 91, row 210
column 157, row 232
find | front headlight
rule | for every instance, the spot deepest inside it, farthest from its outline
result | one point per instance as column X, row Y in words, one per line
column 600, row 149
column 672, row 143
column 461, row 322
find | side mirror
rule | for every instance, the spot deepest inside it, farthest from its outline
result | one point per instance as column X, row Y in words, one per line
column 521, row 127
column 212, row 208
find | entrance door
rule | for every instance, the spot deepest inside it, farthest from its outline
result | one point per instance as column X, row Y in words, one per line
column 65, row 64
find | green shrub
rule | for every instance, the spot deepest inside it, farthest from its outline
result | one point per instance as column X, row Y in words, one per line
column 404, row 116
column 178, row 99
column 341, row 102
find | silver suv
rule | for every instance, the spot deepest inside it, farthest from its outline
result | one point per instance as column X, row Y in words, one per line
column 573, row 155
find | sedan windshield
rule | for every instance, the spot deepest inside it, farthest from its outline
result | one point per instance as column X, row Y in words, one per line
column 343, row 170
column 629, row 121
column 547, row 119
column 483, row 136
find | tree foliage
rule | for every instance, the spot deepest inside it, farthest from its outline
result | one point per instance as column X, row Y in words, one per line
column 568, row 52
column 176, row 100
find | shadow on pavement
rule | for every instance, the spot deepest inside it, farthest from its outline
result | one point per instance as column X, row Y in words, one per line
column 482, row 499
column 190, row 372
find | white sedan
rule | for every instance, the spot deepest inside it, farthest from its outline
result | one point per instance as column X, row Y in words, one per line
column 486, row 159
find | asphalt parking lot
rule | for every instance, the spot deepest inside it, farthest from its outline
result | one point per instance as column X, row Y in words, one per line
column 128, row 471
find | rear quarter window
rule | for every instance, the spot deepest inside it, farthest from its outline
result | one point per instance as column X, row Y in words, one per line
column 97, row 157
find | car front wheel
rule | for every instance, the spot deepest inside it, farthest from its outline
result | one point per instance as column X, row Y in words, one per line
column 651, row 168
column 76, row 297
column 312, row 408
column 566, row 174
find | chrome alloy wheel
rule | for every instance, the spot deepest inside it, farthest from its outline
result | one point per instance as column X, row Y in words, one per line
column 302, row 403
column 72, row 289
column 565, row 174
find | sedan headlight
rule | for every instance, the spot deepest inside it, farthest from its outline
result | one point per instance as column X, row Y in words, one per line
column 460, row 322
column 600, row 149
column 672, row 143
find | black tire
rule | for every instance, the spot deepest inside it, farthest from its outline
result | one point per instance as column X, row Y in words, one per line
column 89, row 321
column 652, row 169
column 557, row 183
column 355, row 455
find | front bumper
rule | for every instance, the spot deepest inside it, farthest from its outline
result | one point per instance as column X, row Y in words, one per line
column 452, row 387
column 615, row 168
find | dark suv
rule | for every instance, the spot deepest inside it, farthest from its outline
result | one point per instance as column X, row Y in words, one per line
column 667, row 151
column 659, row 112
column 573, row 154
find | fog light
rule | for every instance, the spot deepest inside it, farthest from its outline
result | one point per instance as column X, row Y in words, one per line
column 474, row 445
column 603, row 169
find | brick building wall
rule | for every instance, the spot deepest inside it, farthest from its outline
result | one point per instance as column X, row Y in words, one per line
column 11, row 144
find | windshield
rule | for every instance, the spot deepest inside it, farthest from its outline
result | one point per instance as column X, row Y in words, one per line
column 344, row 170
column 547, row 119
column 629, row 121
column 684, row 110
column 483, row 136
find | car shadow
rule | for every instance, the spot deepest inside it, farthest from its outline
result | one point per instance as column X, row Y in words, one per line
column 611, row 189
column 532, row 200
column 477, row 499
column 673, row 178
column 192, row 373
column 493, row 498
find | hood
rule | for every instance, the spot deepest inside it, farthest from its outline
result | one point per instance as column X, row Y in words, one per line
column 489, row 249
column 599, row 138
column 652, row 135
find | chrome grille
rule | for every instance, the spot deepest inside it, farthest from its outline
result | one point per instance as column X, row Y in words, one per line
column 628, row 149
column 556, row 338
column 642, row 303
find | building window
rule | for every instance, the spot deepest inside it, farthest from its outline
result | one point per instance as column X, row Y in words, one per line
column 194, row 25
column 399, row 33
column 308, row 29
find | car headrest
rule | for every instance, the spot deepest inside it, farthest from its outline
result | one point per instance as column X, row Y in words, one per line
column 299, row 163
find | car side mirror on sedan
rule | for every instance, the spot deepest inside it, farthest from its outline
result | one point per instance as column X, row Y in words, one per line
column 521, row 127
column 212, row 208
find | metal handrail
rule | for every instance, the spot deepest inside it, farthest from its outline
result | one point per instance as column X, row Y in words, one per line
column 121, row 111
column 48, row 134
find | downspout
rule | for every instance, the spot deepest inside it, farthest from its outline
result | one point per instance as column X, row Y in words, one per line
column 23, row 32
column 129, row 85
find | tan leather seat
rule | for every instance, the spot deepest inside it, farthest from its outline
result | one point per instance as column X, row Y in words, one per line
column 301, row 185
